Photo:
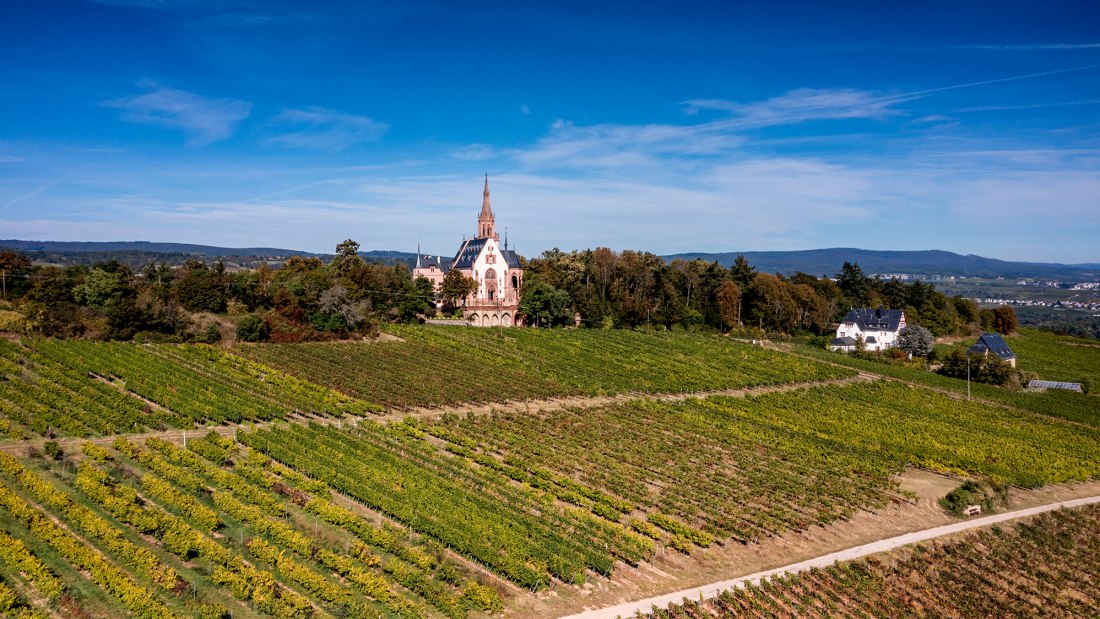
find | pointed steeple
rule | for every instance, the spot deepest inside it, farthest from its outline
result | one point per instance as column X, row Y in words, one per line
column 486, row 226
column 418, row 257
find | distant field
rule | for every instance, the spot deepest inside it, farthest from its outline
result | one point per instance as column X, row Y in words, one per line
column 1055, row 357
column 1064, row 404
column 1051, row 356
column 1045, row 567
column 448, row 365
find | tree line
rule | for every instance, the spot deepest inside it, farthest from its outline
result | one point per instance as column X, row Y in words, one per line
column 309, row 299
column 302, row 299
column 632, row 289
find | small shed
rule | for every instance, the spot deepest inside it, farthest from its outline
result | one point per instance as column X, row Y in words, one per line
column 1043, row 385
column 993, row 343
column 847, row 344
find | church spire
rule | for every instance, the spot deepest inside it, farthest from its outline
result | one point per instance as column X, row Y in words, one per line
column 486, row 226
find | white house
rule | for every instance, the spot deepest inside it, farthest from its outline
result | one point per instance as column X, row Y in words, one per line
column 878, row 328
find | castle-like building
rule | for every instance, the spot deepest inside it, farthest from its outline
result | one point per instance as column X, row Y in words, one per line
column 495, row 268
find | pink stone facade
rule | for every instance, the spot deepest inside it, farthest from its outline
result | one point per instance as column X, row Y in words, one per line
column 495, row 268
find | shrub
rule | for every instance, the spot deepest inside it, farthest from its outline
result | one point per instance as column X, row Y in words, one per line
column 988, row 496
column 253, row 329
column 53, row 450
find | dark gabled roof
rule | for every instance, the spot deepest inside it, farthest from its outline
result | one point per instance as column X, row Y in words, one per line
column 468, row 253
column 994, row 343
column 843, row 341
column 424, row 261
column 871, row 340
column 510, row 258
column 880, row 319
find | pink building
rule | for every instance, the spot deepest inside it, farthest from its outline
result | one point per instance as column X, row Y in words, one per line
column 494, row 267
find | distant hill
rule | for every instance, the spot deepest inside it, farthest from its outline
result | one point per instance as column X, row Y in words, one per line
column 145, row 246
column 137, row 254
column 929, row 263
column 925, row 263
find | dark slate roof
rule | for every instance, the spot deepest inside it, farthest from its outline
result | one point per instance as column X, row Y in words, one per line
column 468, row 253
column 1053, row 384
column 510, row 258
column 425, row 261
column 843, row 341
column 875, row 319
column 994, row 343
column 871, row 340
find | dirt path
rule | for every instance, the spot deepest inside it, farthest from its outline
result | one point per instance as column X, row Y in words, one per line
column 173, row 436
column 672, row 571
column 713, row 589
column 533, row 406
column 552, row 404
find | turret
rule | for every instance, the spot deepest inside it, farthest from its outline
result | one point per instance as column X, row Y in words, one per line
column 486, row 226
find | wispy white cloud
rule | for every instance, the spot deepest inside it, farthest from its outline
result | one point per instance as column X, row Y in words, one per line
column 1038, row 46
column 609, row 146
column 203, row 119
column 473, row 152
column 801, row 105
column 1027, row 106
column 322, row 128
column 523, row 109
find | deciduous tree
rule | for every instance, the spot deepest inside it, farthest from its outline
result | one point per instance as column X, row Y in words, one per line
column 916, row 341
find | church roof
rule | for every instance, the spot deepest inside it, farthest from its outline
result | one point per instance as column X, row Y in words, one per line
column 468, row 253
column 868, row 319
column 510, row 258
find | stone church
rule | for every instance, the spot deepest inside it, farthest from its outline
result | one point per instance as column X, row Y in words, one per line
column 493, row 266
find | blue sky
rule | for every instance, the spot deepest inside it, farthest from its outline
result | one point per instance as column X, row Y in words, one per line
column 972, row 127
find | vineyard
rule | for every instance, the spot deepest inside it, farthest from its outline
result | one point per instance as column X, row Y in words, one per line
column 516, row 531
column 400, row 374
column 539, row 502
column 446, row 366
column 215, row 530
column 1045, row 567
column 441, row 517
column 87, row 388
column 742, row 468
column 40, row 395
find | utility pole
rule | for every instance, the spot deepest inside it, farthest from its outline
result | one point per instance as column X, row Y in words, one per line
column 967, row 377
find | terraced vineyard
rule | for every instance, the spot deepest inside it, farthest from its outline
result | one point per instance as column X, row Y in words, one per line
column 1046, row 567
column 212, row 531
column 451, row 365
column 620, row 361
column 78, row 388
column 39, row 394
column 743, row 468
column 419, row 518
column 516, row 531
column 400, row 374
